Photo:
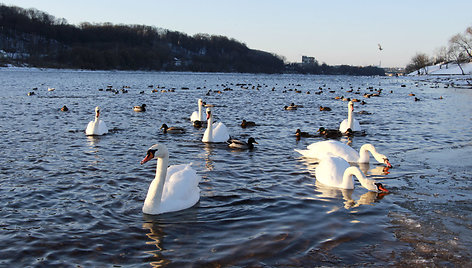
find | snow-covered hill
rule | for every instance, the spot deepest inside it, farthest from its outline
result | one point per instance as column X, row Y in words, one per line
column 445, row 69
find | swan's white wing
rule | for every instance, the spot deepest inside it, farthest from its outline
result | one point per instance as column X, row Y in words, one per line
column 181, row 189
column 194, row 117
column 345, row 125
column 220, row 132
column 330, row 171
column 332, row 147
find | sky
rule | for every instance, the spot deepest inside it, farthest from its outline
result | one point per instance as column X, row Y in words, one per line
column 334, row 32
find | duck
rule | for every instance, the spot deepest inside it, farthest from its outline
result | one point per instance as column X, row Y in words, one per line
column 332, row 147
column 51, row 89
column 139, row 109
column 198, row 115
column 246, row 124
column 238, row 144
column 96, row 127
column 299, row 133
column 350, row 122
column 215, row 132
column 175, row 130
column 174, row 188
column 330, row 133
column 199, row 124
column 334, row 133
column 325, row 108
column 64, row 109
column 296, row 106
column 336, row 172
column 290, row 107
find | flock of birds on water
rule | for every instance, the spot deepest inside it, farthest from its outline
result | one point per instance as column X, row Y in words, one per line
column 176, row 187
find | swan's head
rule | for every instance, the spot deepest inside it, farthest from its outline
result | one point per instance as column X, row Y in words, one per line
column 156, row 151
column 97, row 111
column 200, row 102
column 381, row 188
column 208, row 112
column 382, row 159
column 350, row 105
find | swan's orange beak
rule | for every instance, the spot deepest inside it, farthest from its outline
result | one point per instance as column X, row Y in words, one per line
column 208, row 115
column 148, row 157
column 383, row 189
column 387, row 163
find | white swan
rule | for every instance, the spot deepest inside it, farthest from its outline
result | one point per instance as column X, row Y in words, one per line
column 198, row 115
column 96, row 127
column 215, row 132
column 336, row 148
column 174, row 188
column 350, row 122
column 336, row 172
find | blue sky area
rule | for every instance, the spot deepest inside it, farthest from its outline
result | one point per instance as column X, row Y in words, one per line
column 334, row 32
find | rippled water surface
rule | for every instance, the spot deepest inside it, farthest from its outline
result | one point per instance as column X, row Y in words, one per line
column 72, row 200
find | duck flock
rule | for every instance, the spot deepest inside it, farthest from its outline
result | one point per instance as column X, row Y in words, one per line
column 176, row 187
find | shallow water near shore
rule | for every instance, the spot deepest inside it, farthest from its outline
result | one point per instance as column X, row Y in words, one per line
column 72, row 200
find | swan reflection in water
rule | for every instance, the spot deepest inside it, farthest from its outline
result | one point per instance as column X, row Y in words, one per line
column 327, row 192
column 377, row 170
column 93, row 142
column 207, row 156
column 368, row 198
column 162, row 232
column 156, row 234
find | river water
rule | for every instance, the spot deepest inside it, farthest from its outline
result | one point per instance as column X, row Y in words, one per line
column 74, row 201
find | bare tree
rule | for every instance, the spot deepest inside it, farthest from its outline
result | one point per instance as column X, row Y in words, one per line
column 418, row 62
column 463, row 42
column 458, row 55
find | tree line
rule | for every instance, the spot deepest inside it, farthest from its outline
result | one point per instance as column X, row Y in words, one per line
column 35, row 38
column 458, row 51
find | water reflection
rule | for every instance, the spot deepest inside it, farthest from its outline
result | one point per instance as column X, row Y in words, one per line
column 207, row 156
column 326, row 192
column 93, row 142
column 376, row 170
column 156, row 234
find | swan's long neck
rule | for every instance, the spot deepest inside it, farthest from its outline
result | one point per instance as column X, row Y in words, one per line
column 200, row 115
column 97, row 115
column 210, row 127
column 355, row 171
column 364, row 154
column 154, row 195
column 350, row 118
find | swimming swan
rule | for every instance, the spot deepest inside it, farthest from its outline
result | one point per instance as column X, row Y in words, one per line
column 350, row 122
column 336, row 148
column 198, row 115
column 174, row 188
column 215, row 132
column 336, row 172
column 96, row 127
